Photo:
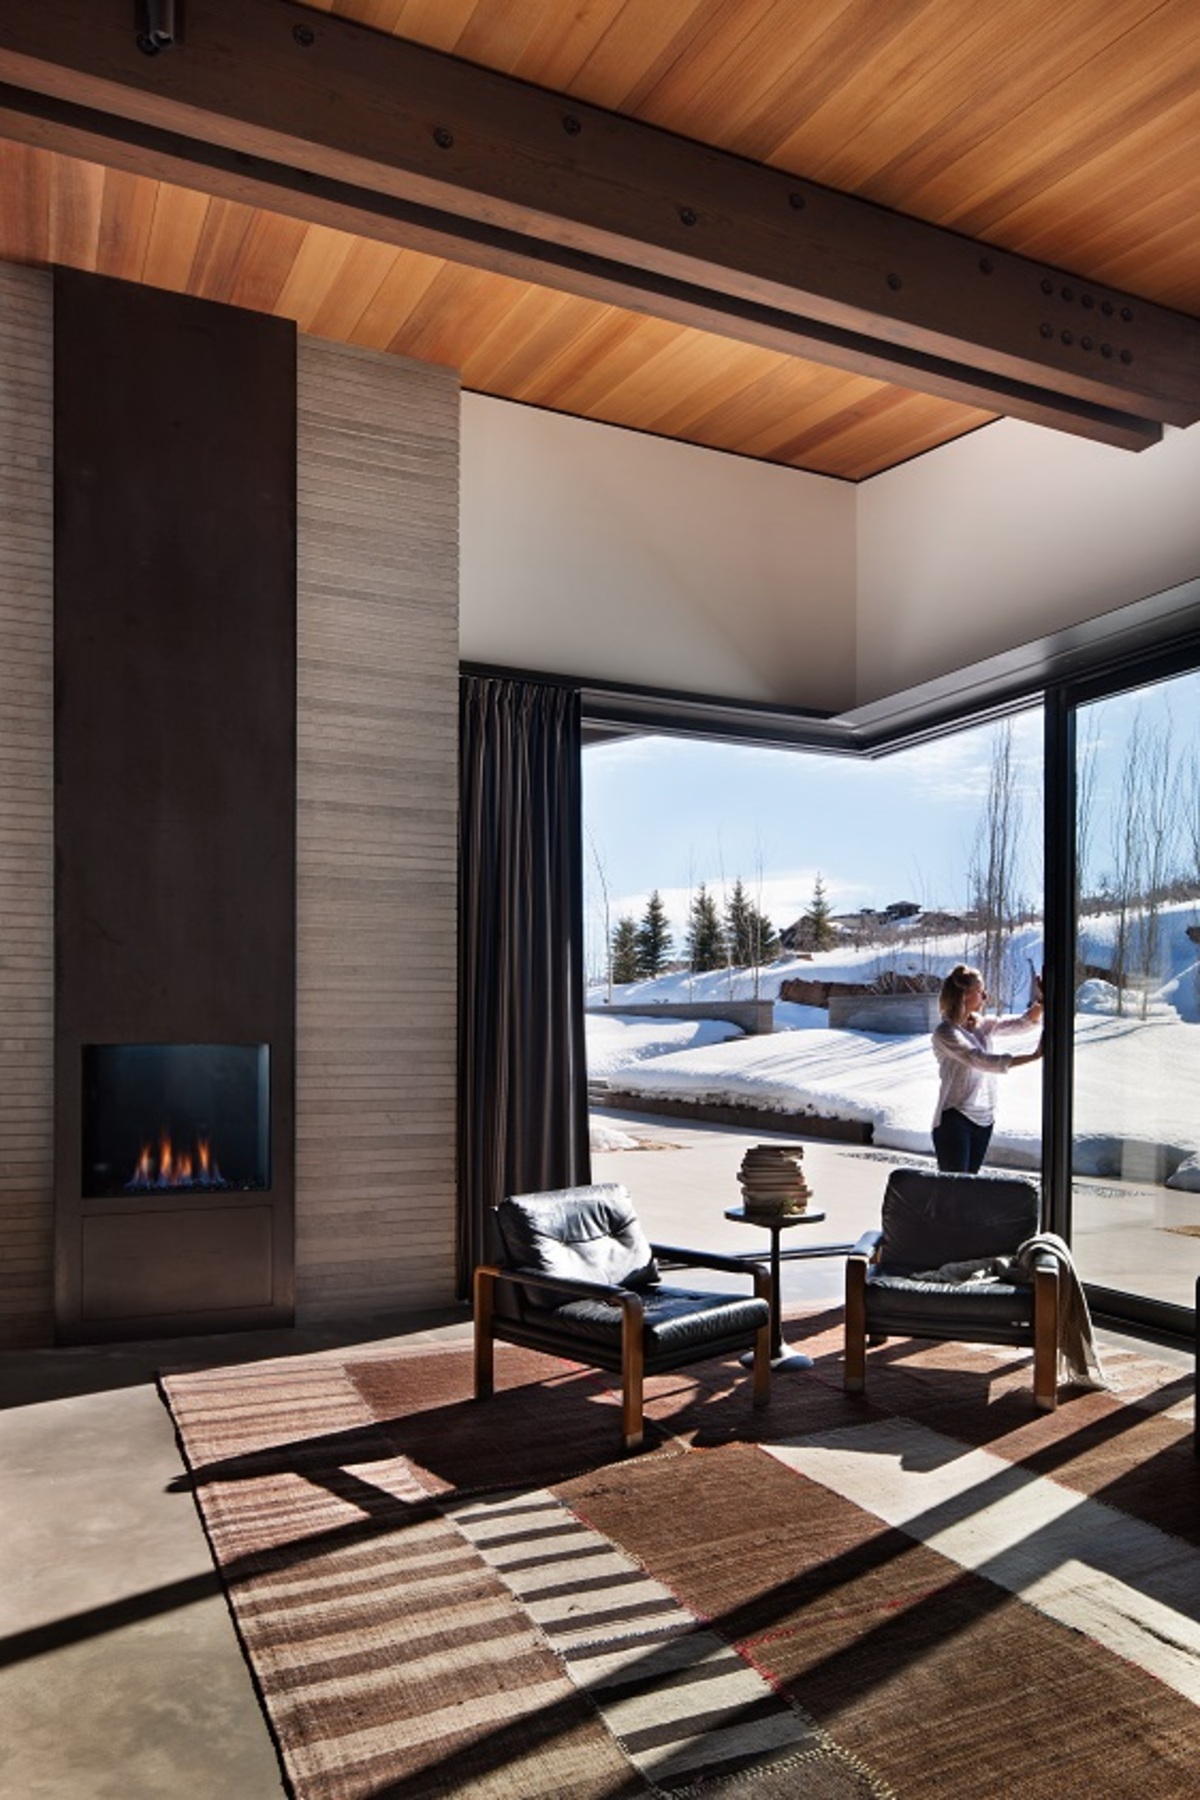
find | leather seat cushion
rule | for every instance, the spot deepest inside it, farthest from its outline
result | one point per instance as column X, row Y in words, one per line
column 901, row 1302
column 675, row 1319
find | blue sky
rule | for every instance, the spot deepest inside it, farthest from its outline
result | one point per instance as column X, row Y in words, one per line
column 671, row 813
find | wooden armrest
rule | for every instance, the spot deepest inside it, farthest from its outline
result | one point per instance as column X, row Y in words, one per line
column 556, row 1284
column 867, row 1247
column 678, row 1258
column 702, row 1259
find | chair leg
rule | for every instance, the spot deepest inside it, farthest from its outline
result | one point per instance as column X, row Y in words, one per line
column 633, row 1373
column 485, row 1289
column 854, row 1376
column 1045, row 1338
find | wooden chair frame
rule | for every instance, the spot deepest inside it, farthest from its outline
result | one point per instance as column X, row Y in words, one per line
column 631, row 1364
column 1044, row 1334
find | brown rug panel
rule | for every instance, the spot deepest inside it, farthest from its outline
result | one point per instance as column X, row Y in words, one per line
column 944, row 1683
column 547, row 1420
column 550, row 1419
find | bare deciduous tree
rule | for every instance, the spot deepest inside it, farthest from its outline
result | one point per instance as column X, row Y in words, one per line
column 1158, row 818
column 1125, row 840
column 994, row 866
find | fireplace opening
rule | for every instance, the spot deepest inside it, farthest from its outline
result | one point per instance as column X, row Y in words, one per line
column 175, row 1118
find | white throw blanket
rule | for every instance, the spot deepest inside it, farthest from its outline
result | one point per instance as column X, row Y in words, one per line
column 1078, row 1358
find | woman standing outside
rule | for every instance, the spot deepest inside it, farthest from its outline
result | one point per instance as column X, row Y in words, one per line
column 968, row 1066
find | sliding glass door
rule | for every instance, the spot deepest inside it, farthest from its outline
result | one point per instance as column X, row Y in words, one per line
column 1135, row 1042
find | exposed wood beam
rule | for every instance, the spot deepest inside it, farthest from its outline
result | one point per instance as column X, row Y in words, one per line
column 294, row 109
column 100, row 138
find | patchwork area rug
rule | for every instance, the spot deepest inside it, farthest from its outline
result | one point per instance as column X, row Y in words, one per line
column 931, row 1592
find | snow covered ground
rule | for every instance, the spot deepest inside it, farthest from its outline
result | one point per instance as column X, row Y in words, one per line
column 1137, row 1080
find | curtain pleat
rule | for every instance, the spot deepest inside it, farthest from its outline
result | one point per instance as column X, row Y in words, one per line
column 522, row 1087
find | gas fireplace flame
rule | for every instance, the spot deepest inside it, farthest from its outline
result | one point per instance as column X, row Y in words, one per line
column 171, row 1168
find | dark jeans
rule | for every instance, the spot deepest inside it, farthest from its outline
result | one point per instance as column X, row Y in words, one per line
column 959, row 1143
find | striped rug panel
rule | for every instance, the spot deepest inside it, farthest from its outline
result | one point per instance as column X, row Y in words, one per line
column 676, row 1696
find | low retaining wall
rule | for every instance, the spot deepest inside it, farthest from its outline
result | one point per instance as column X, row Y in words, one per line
column 895, row 1015
column 755, row 1017
column 748, row 1118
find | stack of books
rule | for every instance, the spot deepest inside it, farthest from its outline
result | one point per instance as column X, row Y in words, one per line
column 772, row 1180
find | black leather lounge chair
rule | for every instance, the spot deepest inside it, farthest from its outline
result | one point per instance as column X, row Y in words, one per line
column 572, row 1273
column 930, row 1221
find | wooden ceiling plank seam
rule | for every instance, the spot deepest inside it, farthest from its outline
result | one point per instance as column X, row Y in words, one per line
column 629, row 48
column 1108, row 204
column 1049, row 144
column 567, row 39
column 175, row 232
column 126, row 218
column 601, row 337
column 697, row 47
column 25, row 213
column 555, row 358
column 766, row 388
column 655, row 375
column 428, row 333
column 528, row 328
column 266, row 260
column 1024, row 69
column 226, row 224
column 822, row 84
column 319, row 261
column 347, row 298
column 841, row 145
column 622, row 357
column 818, row 417
column 436, row 22
column 754, row 401
column 402, row 288
column 724, row 107
column 506, row 27
column 76, row 192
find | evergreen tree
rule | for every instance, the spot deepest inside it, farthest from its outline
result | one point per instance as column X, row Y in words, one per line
column 819, row 933
column 705, row 937
column 625, row 950
column 653, row 938
column 739, row 938
column 750, row 937
column 764, row 939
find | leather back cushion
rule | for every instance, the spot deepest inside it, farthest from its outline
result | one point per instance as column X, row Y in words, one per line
column 931, row 1219
column 583, row 1233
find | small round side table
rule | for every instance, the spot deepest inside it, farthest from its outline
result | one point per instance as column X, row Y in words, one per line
column 776, row 1223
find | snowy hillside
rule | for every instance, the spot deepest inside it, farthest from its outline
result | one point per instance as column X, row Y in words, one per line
column 1137, row 1078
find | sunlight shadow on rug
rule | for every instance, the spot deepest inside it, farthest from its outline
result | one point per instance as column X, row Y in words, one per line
column 438, row 1596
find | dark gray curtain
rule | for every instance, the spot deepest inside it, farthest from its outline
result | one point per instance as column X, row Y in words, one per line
column 522, row 1076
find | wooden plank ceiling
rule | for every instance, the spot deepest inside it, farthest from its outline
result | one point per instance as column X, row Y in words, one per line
column 1070, row 134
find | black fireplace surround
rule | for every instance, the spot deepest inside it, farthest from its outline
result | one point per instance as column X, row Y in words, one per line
column 175, row 813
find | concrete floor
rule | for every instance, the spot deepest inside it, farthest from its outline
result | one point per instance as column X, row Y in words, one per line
column 121, row 1677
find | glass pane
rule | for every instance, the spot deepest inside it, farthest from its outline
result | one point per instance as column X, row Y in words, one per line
column 1136, row 1167
column 835, row 893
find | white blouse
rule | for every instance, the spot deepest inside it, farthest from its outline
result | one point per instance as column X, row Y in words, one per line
column 967, row 1068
